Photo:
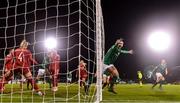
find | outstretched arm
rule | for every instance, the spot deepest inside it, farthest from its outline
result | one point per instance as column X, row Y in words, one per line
column 127, row 52
column 33, row 60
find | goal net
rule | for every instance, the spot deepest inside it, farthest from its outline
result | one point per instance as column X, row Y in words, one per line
column 76, row 26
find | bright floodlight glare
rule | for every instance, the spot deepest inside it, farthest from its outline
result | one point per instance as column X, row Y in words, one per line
column 50, row 43
column 159, row 41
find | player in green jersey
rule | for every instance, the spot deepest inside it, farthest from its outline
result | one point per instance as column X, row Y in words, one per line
column 46, row 72
column 109, row 59
column 160, row 72
column 69, row 77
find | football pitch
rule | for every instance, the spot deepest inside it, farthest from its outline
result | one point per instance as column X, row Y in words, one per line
column 135, row 94
column 126, row 93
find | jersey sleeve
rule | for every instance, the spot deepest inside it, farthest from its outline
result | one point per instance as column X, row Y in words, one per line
column 125, row 51
column 8, row 58
column 114, row 47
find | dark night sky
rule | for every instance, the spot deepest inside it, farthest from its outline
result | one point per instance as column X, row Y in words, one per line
column 130, row 19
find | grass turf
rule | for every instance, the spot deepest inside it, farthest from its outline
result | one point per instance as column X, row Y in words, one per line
column 135, row 93
column 129, row 93
column 66, row 93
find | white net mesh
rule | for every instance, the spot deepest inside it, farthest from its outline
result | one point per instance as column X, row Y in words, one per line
column 73, row 24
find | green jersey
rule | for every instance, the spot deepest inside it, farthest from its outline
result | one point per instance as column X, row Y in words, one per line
column 112, row 54
column 161, row 69
column 46, row 62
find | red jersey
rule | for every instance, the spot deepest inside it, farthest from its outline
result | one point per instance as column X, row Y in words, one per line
column 23, row 58
column 83, row 71
column 8, row 61
column 54, row 60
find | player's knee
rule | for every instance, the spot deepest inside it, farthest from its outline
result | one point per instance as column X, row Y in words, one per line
column 28, row 75
column 162, row 78
column 116, row 73
column 83, row 79
column 8, row 76
column 7, row 73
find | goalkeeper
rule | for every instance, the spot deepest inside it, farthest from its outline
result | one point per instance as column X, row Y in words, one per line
column 109, row 59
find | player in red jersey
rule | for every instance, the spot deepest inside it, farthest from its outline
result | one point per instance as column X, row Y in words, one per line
column 83, row 74
column 22, row 60
column 8, row 64
column 8, row 61
column 54, row 66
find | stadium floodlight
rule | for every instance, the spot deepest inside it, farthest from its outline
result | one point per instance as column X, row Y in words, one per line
column 159, row 40
column 50, row 43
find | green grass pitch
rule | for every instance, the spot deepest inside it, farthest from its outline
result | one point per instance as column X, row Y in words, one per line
column 135, row 94
column 128, row 93
column 66, row 93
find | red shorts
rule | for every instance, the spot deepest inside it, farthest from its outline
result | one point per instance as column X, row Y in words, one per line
column 83, row 76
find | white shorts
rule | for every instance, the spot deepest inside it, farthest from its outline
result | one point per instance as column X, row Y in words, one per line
column 159, row 75
column 41, row 72
column 69, row 79
column 23, row 80
column 105, row 67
